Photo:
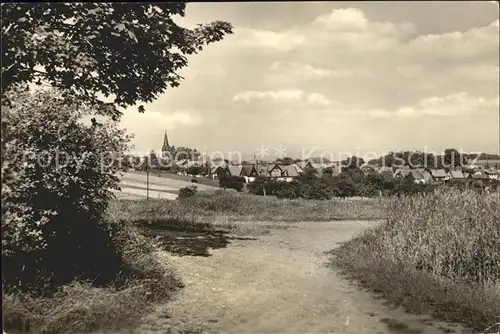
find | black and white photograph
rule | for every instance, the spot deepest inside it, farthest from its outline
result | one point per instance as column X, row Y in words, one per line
column 250, row 167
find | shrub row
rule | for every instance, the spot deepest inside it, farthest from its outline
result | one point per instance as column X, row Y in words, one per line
column 351, row 184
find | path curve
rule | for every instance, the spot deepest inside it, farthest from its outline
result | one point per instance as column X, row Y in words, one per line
column 280, row 283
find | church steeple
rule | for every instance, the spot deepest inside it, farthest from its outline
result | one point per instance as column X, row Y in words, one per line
column 166, row 145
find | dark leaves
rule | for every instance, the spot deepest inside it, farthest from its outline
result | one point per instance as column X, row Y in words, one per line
column 129, row 51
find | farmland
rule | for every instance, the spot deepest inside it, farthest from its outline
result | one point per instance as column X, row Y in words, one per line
column 134, row 186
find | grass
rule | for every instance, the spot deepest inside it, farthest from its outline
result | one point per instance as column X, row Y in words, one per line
column 233, row 206
column 438, row 252
column 81, row 307
column 241, row 213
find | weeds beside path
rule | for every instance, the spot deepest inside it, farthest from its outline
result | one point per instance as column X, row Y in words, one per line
column 437, row 254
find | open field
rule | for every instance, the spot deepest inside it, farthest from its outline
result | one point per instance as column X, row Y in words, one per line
column 134, row 186
column 230, row 206
column 184, row 178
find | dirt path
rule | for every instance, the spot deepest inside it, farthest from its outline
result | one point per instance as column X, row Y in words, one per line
column 279, row 283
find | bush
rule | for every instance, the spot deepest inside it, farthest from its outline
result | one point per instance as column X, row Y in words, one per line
column 56, row 178
column 187, row 192
column 232, row 182
column 80, row 307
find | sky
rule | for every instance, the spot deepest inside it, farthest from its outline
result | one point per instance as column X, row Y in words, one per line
column 304, row 78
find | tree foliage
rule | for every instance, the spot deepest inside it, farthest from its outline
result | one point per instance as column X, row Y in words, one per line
column 195, row 170
column 57, row 176
column 129, row 52
column 232, row 182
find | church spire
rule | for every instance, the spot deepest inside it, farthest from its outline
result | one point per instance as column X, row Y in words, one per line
column 166, row 145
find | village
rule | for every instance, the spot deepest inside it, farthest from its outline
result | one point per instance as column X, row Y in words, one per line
column 288, row 169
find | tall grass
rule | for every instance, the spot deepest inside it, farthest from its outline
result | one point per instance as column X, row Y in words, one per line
column 438, row 252
column 80, row 307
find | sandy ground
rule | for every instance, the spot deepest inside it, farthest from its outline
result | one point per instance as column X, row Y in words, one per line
column 279, row 283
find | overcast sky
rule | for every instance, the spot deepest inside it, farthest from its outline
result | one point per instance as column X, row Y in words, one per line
column 342, row 77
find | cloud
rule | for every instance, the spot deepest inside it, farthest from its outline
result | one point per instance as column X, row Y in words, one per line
column 265, row 39
column 457, row 44
column 458, row 104
column 144, row 122
column 410, row 71
column 191, row 72
column 293, row 95
column 353, row 20
column 347, row 19
column 318, row 99
column 476, row 72
column 306, row 70
column 348, row 30
column 450, row 105
column 341, row 28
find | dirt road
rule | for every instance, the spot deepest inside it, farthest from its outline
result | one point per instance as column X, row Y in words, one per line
column 279, row 283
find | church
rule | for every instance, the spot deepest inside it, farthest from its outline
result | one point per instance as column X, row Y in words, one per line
column 165, row 149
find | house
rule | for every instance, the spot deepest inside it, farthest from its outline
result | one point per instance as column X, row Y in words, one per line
column 235, row 170
column 369, row 169
column 426, row 174
column 249, row 172
column 485, row 163
column 456, row 174
column 401, row 173
column 439, row 175
column 262, row 170
column 385, row 170
column 182, row 163
column 283, row 172
column 275, row 170
column 290, row 172
column 304, row 165
column 218, row 171
column 480, row 175
column 388, row 177
column 492, row 174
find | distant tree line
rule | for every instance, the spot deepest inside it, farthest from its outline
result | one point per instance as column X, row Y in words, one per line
column 352, row 183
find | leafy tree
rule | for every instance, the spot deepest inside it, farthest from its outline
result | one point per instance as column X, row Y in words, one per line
column 407, row 185
column 153, row 160
column 288, row 190
column 232, row 182
column 344, row 185
column 130, row 52
column 55, row 190
column 452, row 158
column 195, row 170
column 352, row 163
column 328, row 171
column 287, row 161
